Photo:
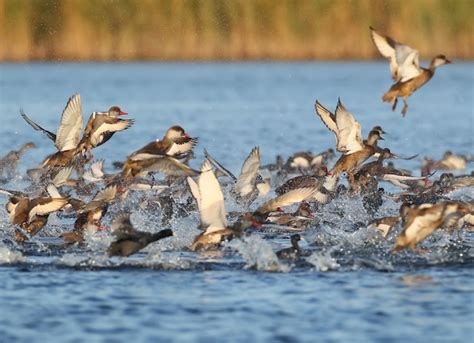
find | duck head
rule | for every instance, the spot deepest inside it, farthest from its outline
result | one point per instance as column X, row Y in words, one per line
column 115, row 111
column 439, row 61
column 176, row 132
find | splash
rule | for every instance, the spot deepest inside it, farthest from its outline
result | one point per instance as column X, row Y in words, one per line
column 323, row 261
column 258, row 254
column 8, row 256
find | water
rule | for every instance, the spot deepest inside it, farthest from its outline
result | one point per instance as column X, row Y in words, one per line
column 349, row 288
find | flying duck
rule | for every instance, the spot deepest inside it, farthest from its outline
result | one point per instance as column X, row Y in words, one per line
column 405, row 68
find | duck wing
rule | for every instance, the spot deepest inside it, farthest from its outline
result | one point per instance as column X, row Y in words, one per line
column 248, row 175
column 408, row 63
column 211, row 203
column 181, row 146
column 289, row 198
column 219, row 167
column 350, row 136
column 386, row 46
column 105, row 125
column 169, row 166
column 44, row 206
column 35, row 126
column 69, row 131
column 328, row 118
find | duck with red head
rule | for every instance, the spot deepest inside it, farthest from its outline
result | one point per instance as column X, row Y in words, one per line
column 101, row 126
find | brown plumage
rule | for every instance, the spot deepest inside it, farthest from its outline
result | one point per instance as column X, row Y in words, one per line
column 405, row 68
column 101, row 126
column 421, row 221
column 163, row 156
column 31, row 214
column 9, row 162
column 128, row 240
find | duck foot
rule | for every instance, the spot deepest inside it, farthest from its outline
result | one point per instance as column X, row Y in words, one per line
column 405, row 108
column 394, row 105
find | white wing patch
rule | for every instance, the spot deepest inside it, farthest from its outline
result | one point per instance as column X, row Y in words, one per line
column 212, row 210
column 246, row 181
column 69, row 131
column 43, row 209
column 96, row 137
column 350, row 136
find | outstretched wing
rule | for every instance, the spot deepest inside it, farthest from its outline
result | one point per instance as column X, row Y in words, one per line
column 106, row 126
column 182, row 146
column 45, row 206
column 289, row 198
column 69, row 131
column 35, row 126
column 169, row 166
column 328, row 118
column 408, row 63
column 350, row 136
column 219, row 167
column 386, row 46
column 248, row 175
column 212, row 210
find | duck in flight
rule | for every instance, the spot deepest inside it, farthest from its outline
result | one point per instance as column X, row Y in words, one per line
column 405, row 68
column 99, row 129
column 348, row 134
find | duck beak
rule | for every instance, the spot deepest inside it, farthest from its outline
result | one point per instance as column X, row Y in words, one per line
column 122, row 113
column 185, row 135
column 381, row 138
column 448, row 62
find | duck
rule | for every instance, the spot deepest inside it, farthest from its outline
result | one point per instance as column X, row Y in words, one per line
column 307, row 161
column 299, row 220
column 384, row 225
column 294, row 196
column 210, row 202
column 101, row 126
column 128, row 240
column 9, row 162
column 30, row 214
column 324, row 182
column 405, row 68
column 450, row 161
column 89, row 215
column 250, row 184
column 163, row 155
column 68, row 139
column 68, row 135
column 361, row 177
column 348, row 137
column 293, row 252
column 422, row 220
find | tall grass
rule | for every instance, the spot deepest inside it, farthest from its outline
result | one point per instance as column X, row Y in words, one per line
column 228, row 29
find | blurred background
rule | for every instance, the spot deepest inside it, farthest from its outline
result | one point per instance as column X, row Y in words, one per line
column 104, row 30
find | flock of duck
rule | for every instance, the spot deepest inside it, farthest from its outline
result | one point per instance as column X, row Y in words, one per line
column 304, row 180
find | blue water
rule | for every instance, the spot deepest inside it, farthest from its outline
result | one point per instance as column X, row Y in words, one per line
column 349, row 289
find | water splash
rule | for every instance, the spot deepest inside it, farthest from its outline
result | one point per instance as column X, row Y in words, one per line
column 258, row 254
column 323, row 261
column 8, row 256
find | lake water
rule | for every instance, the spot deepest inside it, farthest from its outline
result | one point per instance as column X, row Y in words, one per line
column 350, row 288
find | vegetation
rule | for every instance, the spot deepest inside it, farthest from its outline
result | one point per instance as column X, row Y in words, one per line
column 228, row 29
